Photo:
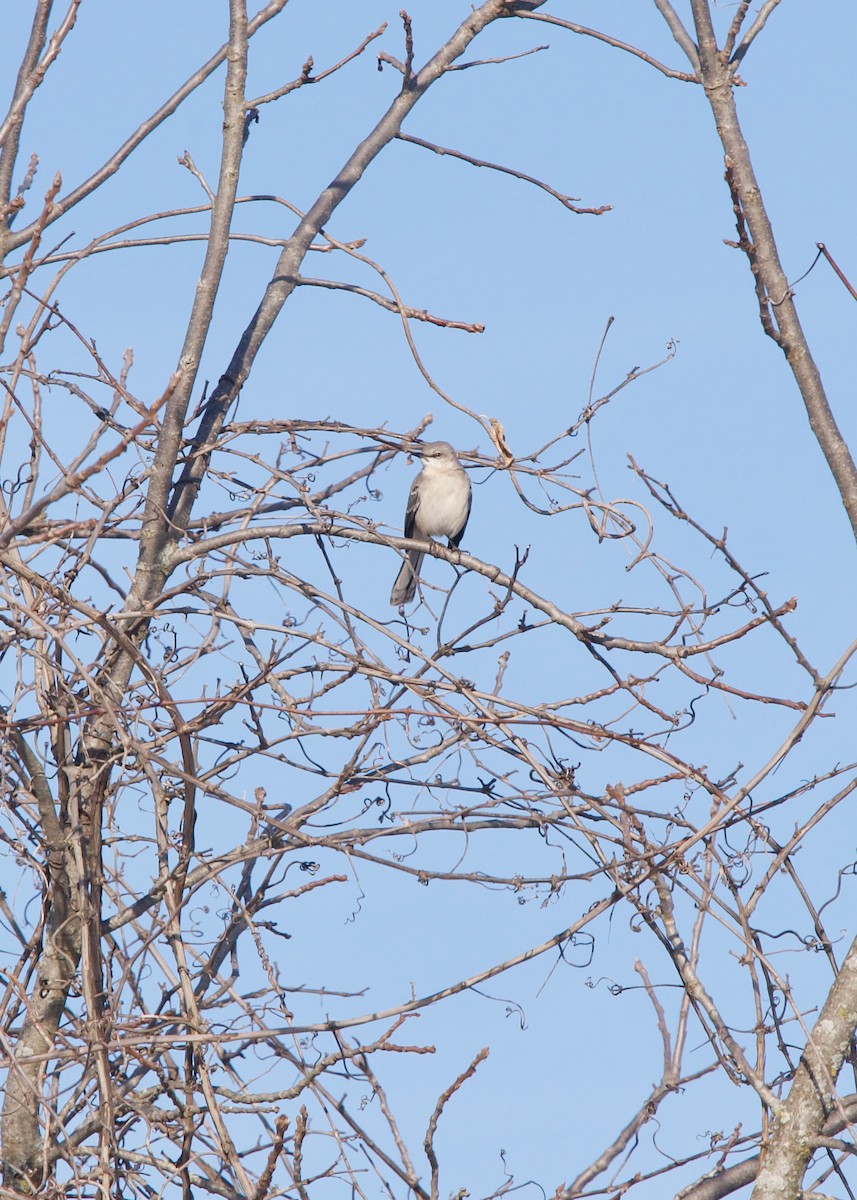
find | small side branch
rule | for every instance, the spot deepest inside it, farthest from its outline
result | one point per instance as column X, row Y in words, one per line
column 669, row 1083
column 746, row 245
column 585, row 31
column 565, row 201
column 435, row 1117
column 823, row 250
column 306, row 76
column 680, row 34
column 754, row 30
column 413, row 314
column 490, row 62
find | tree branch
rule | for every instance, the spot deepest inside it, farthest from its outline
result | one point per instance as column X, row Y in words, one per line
column 565, row 201
column 779, row 314
column 585, row 31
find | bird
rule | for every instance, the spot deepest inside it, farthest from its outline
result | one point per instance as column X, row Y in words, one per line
column 438, row 506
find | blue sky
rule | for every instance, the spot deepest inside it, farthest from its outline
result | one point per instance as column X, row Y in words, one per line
column 722, row 422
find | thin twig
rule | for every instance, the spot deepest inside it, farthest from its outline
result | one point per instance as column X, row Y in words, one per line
column 565, row 201
column 585, row 31
column 486, row 62
column 823, row 249
column 306, row 76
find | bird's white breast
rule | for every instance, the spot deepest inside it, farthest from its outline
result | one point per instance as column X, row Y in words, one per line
column 443, row 508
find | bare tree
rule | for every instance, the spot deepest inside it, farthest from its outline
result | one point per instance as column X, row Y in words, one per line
column 214, row 720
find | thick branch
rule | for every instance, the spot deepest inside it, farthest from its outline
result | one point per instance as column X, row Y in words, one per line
column 155, row 533
column 22, row 1129
column 754, row 30
column 679, row 32
column 25, row 85
column 732, row 1179
column 811, row 1099
column 779, row 314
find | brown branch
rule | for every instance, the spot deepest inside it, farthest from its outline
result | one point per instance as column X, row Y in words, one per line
column 23, row 272
column 837, row 269
column 735, row 27
column 566, row 201
column 267, row 1175
column 306, row 76
column 669, row 1084
column 490, row 62
column 443, row 1100
column 585, row 31
column 785, row 327
column 680, row 34
column 812, row 1096
column 745, row 244
column 413, row 314
column 30, row 76
column 157, row 529
column 22, row 1121
column 731, row 1179
column 408, row 69
column 755, row 29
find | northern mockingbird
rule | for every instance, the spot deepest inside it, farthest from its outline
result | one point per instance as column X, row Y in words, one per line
column 438, row 506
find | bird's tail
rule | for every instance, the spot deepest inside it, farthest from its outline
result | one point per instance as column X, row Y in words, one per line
column 407, row 579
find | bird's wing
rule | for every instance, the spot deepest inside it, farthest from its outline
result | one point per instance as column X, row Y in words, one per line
column 456, row 541
column 413, row 505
